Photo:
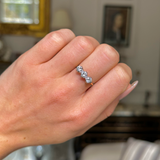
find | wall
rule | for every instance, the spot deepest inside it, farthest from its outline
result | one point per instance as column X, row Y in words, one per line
column 146, row 58
column 87, row 20
column 19, row 44
column 145, row 46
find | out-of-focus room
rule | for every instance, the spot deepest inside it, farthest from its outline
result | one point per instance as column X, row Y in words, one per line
column 132, row 27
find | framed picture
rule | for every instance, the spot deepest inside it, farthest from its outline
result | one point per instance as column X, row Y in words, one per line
column 116, row 28
column 25, row 17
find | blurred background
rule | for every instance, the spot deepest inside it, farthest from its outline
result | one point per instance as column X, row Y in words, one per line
column 131, row 26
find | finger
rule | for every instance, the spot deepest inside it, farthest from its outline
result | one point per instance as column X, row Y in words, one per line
column 100, row 62
column 110, row 109
column 105, row 91
column 130, row 88
column 106, row 113
column 72, row 55
column 49, row 46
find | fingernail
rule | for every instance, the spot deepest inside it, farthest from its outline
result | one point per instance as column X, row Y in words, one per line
column 129, row 90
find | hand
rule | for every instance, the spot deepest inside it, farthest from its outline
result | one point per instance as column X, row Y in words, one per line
column 44, row 100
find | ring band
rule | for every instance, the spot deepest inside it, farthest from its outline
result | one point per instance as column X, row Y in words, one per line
column 84, row 75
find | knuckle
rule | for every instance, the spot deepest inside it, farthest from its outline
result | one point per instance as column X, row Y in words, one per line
column 53, row 38
column 67, row 32
column 85, row 43
column 109, row 53
column 124, row 73
column 56, row 37
column 78, row 119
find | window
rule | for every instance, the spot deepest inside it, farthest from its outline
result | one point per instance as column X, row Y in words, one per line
column 19, row 11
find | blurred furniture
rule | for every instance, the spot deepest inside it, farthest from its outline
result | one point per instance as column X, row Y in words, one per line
column 103, row 151
column 132, row 150
column 63, row 151
column 126, row 121
column 32, row 153
column 25, row 17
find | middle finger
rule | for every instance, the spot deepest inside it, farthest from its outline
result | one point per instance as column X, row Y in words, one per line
column 101, row 61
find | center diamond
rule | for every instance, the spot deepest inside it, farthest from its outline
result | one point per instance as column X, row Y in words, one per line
column 84, row 74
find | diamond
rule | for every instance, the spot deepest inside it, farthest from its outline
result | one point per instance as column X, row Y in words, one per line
column 79, row 69
column 88, row 80
column 84, row 74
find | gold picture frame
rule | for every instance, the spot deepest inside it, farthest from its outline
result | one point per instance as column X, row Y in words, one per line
column 36, row 30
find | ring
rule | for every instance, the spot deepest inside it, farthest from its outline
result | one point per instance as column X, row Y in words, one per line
column 84, row 75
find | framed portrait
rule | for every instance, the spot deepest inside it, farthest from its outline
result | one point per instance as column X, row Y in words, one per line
column 116, row 27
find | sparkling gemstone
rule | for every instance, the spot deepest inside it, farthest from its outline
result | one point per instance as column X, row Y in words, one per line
column 80, row 69
column 84, row 74
column 88, row 80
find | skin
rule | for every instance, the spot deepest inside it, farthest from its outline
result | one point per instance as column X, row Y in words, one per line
column 44, row 100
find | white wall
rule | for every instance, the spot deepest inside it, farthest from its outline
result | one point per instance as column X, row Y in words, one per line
column 147, row 57
column 145, row 46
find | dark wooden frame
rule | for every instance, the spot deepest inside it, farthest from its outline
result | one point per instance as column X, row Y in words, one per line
column 127, row 23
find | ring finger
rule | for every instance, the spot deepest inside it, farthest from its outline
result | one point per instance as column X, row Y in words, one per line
column 101, row 61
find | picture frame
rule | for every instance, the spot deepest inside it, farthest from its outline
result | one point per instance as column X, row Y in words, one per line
column 117, row 25
column 39, row 29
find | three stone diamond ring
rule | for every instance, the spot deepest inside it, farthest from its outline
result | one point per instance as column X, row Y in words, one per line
column 84, row 75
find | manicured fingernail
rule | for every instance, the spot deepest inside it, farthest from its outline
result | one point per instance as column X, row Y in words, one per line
column 129, row 90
